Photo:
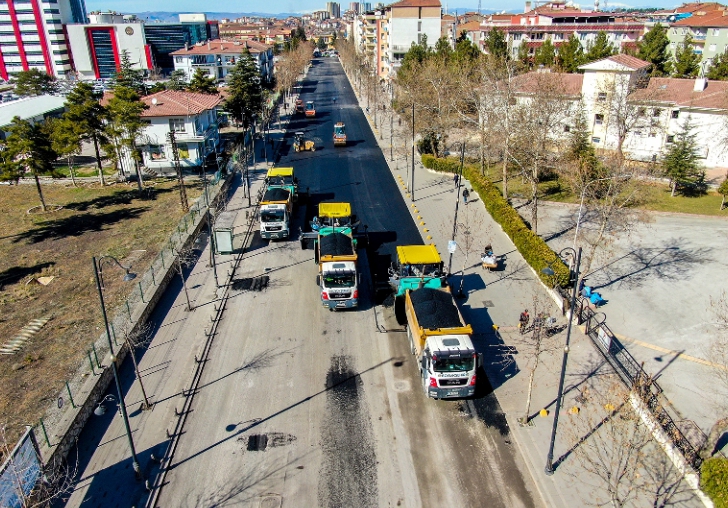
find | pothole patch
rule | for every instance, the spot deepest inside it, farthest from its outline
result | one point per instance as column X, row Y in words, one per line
column 251, row 283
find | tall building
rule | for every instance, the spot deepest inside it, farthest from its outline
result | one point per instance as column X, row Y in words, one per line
column 32, row 35
column 333, row 9
column 164, row 38
column 354, row 7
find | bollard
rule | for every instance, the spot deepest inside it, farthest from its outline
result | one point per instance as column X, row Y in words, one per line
column 98, row 364
column 70, row 397
column 45, row 433
column 161, row 254
column 141, row 292
column 151, row 269
column 113, row 334
column 91, row 362
column 128, row 309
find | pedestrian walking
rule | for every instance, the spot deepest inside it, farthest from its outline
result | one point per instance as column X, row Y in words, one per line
column 523, row 321
column 466, row 194
column 455, row 179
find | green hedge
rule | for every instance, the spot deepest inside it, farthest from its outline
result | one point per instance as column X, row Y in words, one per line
column 714, row 481
column 531, row 246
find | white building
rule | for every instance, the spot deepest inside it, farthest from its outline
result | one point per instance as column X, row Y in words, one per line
column 192, row 117
column 411, row 21
column 219, row 57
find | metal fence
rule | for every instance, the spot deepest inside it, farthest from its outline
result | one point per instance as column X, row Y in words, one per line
column 635, row 378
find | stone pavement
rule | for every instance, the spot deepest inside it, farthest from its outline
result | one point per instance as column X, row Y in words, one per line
column 498, row 297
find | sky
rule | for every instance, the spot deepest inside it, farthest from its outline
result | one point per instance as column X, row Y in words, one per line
column 302, row 6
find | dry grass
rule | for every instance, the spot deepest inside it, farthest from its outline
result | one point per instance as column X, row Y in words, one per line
column 94, row 221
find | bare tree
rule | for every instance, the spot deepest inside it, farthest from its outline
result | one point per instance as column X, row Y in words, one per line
column 718, row 353
column 137, row 338
column 184, row 258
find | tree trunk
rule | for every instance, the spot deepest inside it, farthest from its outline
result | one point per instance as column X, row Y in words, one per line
column 98, row 159
column 505, row 172
column 70, row 170
column 673, row 185
column 531, row 376
column 534, row 201
column 40, row 192
column 716, row 431
column 722, row 202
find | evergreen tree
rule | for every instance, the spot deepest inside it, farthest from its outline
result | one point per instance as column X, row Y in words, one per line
column 202, row 83
column 125, row 125
column 465, row 51
column 496, row 44
column 681, row 163
column 34, row 82
column 64, row 141
column 599, row 49
column 128, row 76
column 442, row 47
column 570, row 55
column 417, row 54
column 523, row 55
column 177, row 80
column 85, row 118
column 686, row 63
column 545, row 54
column 321, row 43
column 245, row 98
column 723, row 191
column 653, row 48
column 719, row 69
column 28, row 152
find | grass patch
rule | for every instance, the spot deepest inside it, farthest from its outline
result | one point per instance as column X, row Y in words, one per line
column 94, row 221
column 84, row 171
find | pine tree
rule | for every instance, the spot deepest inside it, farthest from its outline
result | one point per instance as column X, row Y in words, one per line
column 723, row 191
column 64, row 141
column 128, row 76
column 177, row 80
column 653, row 48
column 34, row 82
column 125, row 124
column 28, row 152
column 719, row 69
column 85, row 117
column 202, row 83
column 245, row 99
column 496, row 44
column 571, row 55
column 599, row 49
column 523, row 55
column 687, row 63
column 681, row 163
column 545, row 54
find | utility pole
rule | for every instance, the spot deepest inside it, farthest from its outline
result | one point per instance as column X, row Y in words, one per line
column 175, row 160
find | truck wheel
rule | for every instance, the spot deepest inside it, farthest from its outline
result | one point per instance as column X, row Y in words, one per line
column 318, row 280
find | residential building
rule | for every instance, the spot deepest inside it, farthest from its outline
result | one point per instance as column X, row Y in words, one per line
column 165, row 38
column 32, row 35
column 193, row 119
column 410, row 21
column 558, row 21
column 32, row 109
column 219, row 57
column 333, row 9
column 98, row 47
column 707, row 31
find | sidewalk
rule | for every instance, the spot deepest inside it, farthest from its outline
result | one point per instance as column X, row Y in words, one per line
column 498, row 297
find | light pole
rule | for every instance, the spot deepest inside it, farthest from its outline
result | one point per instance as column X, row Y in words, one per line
column 457, row 204
column 122, row 407
column 412, row 190
column 581, row 203
column 549, row 469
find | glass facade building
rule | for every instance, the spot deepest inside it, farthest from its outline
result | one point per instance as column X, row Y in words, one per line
column 164, row 38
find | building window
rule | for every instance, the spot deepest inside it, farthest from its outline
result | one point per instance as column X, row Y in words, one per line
column 156, row 152
column 670, row 139
column 178, row 59
column 537, row 37
column 419, row 38
column 516, row 37
column 655, row 113
column 419, row 26
column 177, row 124
column 602, row 96
column 598, row 119
column 712, row 47
column 596, row 140
column 675, row 113
column 716, row 31
column 558, row 37
column 183, row 150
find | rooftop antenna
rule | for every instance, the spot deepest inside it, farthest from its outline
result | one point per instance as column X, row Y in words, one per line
column 479, row 1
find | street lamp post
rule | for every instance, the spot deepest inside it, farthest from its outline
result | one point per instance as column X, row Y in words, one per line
column 549, row 469
column 457, row 204
column 412, row 190
column 122, row 407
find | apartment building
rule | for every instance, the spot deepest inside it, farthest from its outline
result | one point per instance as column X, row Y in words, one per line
column 219, row 57
column 707, row 30
column 32, row 35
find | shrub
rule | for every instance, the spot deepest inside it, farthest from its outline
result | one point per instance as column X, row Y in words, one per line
column 531, row 246
column 714, row 481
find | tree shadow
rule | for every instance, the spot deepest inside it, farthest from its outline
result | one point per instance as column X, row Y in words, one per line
column 18, row 273
column 121, row 197
column 77, row 225
column 672, row 261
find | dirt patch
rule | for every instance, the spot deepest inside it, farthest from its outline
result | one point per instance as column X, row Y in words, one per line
column 94, row 221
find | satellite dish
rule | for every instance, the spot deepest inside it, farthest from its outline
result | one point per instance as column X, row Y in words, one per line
column 154, row 101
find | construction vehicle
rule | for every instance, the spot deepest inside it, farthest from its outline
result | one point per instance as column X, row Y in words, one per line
column 334, row 232
column 299, row 106
column 416, row 266
column 310, row 109
column 339, row 134
column 300, row 143
column 440, row 340
column 283, row 178
column 276, row 208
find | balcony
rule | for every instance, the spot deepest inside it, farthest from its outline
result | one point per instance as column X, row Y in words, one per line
column 699, row 37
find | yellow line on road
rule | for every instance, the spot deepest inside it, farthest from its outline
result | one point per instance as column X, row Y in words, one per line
column 668, row 351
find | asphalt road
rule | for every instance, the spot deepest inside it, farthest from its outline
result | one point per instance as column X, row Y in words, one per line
column 299, row 406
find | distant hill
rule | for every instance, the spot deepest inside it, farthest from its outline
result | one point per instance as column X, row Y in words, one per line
column 171, row 17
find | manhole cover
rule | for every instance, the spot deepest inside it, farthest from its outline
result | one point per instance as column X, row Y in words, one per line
column 401, row 386
column 488, row 303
